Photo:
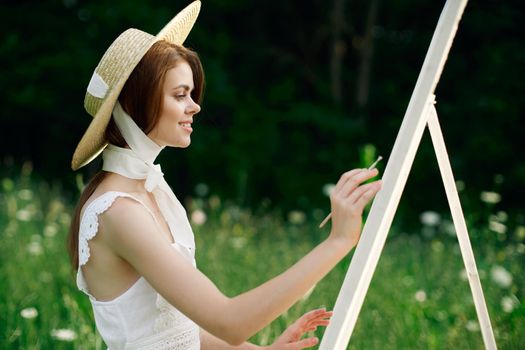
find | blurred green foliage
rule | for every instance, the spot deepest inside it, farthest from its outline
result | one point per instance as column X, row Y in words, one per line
column 272, row 125
column 419, row 297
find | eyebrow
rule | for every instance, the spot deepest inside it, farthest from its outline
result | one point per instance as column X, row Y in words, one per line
column 184, row 86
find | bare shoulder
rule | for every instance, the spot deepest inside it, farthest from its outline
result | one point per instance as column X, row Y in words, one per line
column 115, row 183
column 125, row 218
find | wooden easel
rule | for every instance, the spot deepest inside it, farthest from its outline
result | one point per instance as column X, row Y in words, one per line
column 420, row 113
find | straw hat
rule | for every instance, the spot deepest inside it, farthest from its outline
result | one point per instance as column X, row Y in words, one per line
column 112, row 72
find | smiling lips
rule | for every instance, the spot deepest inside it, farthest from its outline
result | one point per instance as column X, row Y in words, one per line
column 186, row 126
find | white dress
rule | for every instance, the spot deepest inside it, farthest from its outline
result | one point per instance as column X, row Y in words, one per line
column 139, row 318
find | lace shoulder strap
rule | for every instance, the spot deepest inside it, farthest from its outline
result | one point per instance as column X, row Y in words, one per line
column 89, row 221
column 89, row 228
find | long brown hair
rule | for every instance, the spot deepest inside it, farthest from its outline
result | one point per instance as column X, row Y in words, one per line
column 142, row 98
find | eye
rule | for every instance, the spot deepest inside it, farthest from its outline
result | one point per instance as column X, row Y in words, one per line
column 180, row 96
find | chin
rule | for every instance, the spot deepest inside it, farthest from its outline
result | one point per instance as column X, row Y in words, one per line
column 179, row 144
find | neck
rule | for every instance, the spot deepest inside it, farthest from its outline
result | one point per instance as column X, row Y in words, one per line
column 123, row 183
column 139, row 143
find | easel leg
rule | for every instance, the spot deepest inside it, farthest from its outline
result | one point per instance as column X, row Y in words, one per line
column 461, row 228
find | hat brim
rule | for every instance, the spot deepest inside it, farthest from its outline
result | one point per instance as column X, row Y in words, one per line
column 93, row 141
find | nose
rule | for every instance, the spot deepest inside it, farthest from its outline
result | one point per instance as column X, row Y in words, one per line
column 193, row 108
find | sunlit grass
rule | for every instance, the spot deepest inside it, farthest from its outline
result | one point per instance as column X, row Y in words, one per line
column 418, row 299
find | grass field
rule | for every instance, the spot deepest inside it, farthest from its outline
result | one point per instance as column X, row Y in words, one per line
column 419, row 297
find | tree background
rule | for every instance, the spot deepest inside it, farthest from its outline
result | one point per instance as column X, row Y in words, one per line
column 297, row 93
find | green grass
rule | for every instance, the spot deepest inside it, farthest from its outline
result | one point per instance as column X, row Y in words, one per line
column 239, row 250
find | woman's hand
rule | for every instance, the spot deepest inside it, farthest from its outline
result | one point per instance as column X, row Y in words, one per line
column 348, row 200
column 291, row 337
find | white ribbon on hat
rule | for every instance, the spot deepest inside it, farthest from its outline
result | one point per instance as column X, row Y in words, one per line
column 97, row 86
column 136, row 162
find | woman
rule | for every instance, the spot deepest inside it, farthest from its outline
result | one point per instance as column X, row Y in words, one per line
column 131, row 241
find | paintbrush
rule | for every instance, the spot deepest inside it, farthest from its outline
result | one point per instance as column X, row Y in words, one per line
column 330, row 215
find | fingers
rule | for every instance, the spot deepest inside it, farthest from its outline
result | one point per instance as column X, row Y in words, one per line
column 315, row 314
column 348, row 195
column 357, row 180
column 366, row 197
column 310, row 316
column 306, row 323
column 361, row 190
column 345, row 177
column 322, row 319
column 348, row 183
column 303, row 344
column 318, row 323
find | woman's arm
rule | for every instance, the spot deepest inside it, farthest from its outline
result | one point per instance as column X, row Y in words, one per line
column 131, row 233
column 290, row 339
column 211, row 342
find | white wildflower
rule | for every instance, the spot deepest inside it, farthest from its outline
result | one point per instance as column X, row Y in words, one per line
column 501, row 277
column 198, row 217
column 490, row 197
column 472, row 326
column 34, row 248
column 296, row 217
column 327, row 189
column 63, row 334
column 430, row 218
column 420, row 296
column 502, row 216
column 25, row 194
column 493, row 218
column 497, row 227
column 509, row 303
column 29, row 313
column 238, row 242
column 50, row 230
column 441, row 315
column 64, row 218
column 460, row 185
column 23, row 215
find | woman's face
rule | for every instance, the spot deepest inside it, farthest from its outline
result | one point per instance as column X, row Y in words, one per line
column 174, row 126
